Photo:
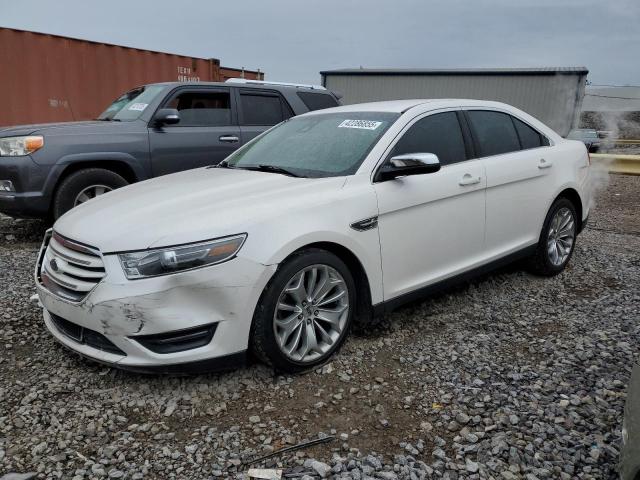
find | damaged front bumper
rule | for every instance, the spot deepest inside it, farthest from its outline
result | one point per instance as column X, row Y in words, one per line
column 143, row 321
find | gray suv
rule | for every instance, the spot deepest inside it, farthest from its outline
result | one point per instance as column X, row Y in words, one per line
column 152, row 130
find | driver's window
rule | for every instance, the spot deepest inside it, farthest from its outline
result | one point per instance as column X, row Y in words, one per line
column 439, row 134
column 202, row 108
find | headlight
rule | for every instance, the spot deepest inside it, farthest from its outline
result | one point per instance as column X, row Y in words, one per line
column 17, row 146
column 150, row 263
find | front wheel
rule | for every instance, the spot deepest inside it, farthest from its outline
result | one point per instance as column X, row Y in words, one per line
column 305, row 312
column 82, row 186
column 557, row 240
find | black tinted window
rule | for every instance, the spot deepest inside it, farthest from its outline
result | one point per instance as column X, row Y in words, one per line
column 439, row 134
column 317, row 101
column 529, row 138
column 202, row 109
column 261, row 109
column 494, row 132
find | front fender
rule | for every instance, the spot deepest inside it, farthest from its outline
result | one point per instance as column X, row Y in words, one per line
column 91, row 158
column 366, row 249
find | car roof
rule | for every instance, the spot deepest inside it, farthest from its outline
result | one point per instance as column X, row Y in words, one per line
column 401, row 106
column 252, row 85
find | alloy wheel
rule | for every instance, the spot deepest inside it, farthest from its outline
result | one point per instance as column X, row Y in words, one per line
column 90, row 192
column 311, row 313
column 562, row 232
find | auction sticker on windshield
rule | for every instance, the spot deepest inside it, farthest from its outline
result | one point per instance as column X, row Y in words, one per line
column 138, row 106
column 363, row 124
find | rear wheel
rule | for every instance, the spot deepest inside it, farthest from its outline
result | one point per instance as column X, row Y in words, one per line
column 557, row 240
column 305, row 312
column 82, row 186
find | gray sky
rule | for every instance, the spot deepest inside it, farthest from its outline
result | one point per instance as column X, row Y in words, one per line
column 292, row 40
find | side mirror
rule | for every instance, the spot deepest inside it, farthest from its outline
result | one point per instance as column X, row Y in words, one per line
column 409, row 164
column 166, row 116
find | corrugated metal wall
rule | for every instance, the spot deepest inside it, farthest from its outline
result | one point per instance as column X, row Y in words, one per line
column 554, row 99
column 611, row 99
column 47, row 78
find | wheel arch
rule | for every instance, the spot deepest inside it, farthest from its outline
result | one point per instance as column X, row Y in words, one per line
column 573, row 196
column 124, row 169
column 364, row 306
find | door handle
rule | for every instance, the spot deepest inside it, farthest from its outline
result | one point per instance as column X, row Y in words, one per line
column 229, row 138
column 544, row 164
column 468, row 179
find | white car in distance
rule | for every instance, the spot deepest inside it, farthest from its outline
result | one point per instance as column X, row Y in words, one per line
column 334, row 215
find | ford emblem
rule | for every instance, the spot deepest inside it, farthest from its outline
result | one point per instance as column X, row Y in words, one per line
column 54, row 265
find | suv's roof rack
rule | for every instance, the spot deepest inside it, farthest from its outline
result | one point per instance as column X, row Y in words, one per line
column 282, row 84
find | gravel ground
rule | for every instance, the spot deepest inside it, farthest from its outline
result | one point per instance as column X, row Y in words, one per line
column 508, row 377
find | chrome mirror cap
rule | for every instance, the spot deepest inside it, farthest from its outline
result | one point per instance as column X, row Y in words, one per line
column 414, row 160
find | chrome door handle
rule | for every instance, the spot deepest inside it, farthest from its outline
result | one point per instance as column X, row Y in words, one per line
column 544, row 164
column 469, row 180
column 229, row 138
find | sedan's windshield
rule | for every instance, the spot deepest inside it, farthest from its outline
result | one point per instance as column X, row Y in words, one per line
column 323, row 145
column 131, row 105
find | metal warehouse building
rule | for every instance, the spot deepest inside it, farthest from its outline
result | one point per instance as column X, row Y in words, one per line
column 553, row 95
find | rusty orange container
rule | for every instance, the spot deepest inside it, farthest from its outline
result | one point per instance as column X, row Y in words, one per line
column 48, row 78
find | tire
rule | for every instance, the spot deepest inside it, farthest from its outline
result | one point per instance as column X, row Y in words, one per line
column 75, row 184
column 543, row 262
column 267, row 330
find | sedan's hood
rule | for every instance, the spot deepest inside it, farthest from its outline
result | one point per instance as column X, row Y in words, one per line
column 18, row 130
column 189, row 207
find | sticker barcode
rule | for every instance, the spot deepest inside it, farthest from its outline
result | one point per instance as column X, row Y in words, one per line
column 363, row 124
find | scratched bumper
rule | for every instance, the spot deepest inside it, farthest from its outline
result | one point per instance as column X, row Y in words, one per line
column 121, row 309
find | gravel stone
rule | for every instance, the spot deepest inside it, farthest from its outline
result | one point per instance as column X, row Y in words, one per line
column 510, row 377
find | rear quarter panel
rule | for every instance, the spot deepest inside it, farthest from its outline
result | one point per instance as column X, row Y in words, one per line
column 571, row 170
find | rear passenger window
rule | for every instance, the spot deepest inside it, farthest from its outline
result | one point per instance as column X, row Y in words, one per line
column 493, row 132
column 439, row 134
column 262, row 109
column 202, row 109
column 317, row 101
column 529, row 138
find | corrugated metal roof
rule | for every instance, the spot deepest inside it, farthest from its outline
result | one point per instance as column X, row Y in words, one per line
column 457, row 71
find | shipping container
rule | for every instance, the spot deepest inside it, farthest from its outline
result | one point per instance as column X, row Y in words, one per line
column 49, row 78
column 553, row 95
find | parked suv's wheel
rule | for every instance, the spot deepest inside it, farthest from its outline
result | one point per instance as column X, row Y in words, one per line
column 557, row 240
column 305, row 312
column 84, row 185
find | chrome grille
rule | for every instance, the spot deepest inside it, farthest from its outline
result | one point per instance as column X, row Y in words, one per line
column 70, row 269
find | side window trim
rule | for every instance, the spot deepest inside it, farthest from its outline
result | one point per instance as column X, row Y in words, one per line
column 180, row 89
column 515, row 127
column 469, row 144
column 543, row 138
column 311, row 94
column 476, row 143
column 285, row 109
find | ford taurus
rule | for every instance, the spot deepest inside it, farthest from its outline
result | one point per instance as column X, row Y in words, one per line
column 329, row 217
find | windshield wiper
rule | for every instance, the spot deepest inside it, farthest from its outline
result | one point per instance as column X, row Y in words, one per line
column 222, row 164
column 271, row 169
column 107, row 119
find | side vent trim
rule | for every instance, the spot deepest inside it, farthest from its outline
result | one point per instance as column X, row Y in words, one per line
column 366, row 224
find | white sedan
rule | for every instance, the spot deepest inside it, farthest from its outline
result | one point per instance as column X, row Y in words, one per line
column 329, row 217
